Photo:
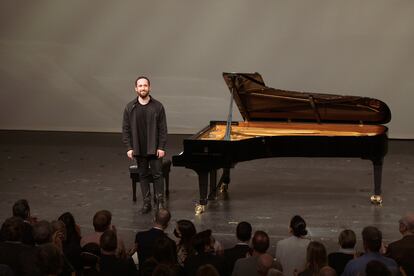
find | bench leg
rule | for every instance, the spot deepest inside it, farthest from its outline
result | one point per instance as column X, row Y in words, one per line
column 134, row 191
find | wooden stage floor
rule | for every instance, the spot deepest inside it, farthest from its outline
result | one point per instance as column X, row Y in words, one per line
column 86, row 172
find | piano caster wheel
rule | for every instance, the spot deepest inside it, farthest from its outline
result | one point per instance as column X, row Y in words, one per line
column 376, row 199
column 199, row 209
column 223, row 188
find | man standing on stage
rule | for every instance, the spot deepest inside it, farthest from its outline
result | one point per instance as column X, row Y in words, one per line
column 144, row 132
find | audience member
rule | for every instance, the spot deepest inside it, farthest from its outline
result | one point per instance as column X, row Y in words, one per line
column 184, row 231
column 110, row 263
column 102, row 221
column 328, row 271
column 50, row 259
column 164, row 252
column 377, row 268
column 291, row 252
column 338, row 260
column 402, row 251
column 71, row 245
column 21, row 209
column 203, row 244
column 316, row 258
column 42, row 232
column 58, row 238
column 264, row 263
column 372, row 240
column 242, row 248
column 19, row 257
column 90, row 255
column 144, row 241
column 274, row 272
column 207, row 270
column 248, row 266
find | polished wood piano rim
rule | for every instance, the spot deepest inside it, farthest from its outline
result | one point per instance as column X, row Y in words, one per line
column 247, row 130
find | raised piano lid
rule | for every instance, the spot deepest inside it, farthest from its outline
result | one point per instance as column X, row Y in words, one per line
column 257, row 102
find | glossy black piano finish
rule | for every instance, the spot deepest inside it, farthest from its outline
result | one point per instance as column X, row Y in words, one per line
column 280, row 123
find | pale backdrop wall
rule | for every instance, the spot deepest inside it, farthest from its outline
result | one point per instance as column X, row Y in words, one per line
column 70, row 65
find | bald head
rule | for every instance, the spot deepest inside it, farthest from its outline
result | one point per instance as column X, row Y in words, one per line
column 327, row 271
column 264, row 263
column 407, row 224
column 162, row 218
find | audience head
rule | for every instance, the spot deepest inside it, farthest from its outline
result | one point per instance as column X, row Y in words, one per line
column 70, row 224
column 185, row 231
column 274, row 272
column 347, row 239
column 203, row 242
column 264, row 263
column 90, row 254
column 316, row 256
column 12, row 229
column 376, row 268
column 244, row 231
column 298, row 226
column 407, row 224
column 162, row 217
column 108, row 242
column 102, row 220
column 327, row 271
column 260, row 242
column 21, row 209
column 207, row 270
column 58, row 233
column 50, row 259
column 42, row 232
column 372, row 238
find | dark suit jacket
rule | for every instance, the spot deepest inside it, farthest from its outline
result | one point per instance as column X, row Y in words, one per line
column 146, row 241
column 21, row 258
column 338, row 261
column 193, row 262
column 402, row 251
column 231, row 255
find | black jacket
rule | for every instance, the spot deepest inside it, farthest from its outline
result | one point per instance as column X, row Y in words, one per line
column 156, row 127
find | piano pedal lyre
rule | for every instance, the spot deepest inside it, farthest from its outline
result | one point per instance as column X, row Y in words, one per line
column 199, row 209
column 376, row 200
column 224, row 187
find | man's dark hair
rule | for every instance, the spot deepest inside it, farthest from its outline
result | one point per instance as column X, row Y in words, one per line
column 201, row 240
column 21, row 209
column 142, row 77
column 42, row 232
column 101, row 220
column 347, row 239
column 108, row 241
column 244, row 231
column 162, row 217
column 12, row 229
column 260, row 241
column 372, row 238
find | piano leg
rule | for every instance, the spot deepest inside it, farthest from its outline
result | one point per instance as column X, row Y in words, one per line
column 224, row 180
column 213, row 185
column 376, row 198
column 203, row 188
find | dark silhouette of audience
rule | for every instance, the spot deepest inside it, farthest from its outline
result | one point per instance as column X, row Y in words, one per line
column 402, row 251
column 203, row 244
column 242, row 248
column 184, row 232
column 347, row 242
column 31, row 247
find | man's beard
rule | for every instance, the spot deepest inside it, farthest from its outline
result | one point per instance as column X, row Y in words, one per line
column 143, row 94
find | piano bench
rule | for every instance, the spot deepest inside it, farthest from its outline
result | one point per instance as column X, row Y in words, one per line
column 133, row 173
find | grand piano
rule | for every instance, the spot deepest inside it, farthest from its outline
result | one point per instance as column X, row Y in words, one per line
column 281, row 123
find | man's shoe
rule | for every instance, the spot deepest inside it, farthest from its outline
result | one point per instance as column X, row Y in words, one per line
column 146, row 208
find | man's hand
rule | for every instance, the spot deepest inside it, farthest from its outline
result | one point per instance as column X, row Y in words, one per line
column 130, row 154
column 160, row 153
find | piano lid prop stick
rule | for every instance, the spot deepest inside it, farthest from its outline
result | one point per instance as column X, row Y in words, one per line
column 229, row 117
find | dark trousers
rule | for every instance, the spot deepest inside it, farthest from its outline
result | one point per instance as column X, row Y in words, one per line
column 147, row 166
